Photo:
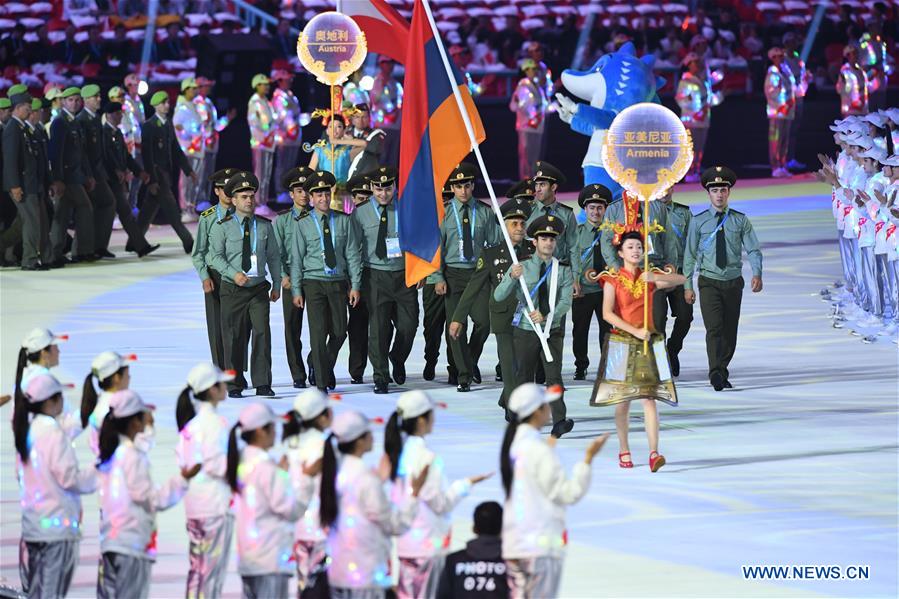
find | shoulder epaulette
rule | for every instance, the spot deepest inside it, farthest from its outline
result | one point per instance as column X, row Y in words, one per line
column 737, row 212
column 208, row 211
column 679, row 205
column 262, row 218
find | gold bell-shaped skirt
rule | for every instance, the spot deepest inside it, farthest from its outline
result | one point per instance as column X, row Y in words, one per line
column 627, row 373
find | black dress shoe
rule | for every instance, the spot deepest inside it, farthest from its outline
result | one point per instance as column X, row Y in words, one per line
column 311, row 375
column 332, row 382
column 717, row 381
column 580, row 375
column 356, row 381
column 264, row 391
column 147, row 250
column 463, row 387
column 104, row 254
column 31, row 267
column 58, row 263
column 428, row 373
column 235, row 393
column 562, row 427
column 84, row 258
column 299, row 384
column 399, row 374
column 499, row 374
column 129, row 247
column 727, row 384
column 380, row 388
column 476, row 376
column 675, row 364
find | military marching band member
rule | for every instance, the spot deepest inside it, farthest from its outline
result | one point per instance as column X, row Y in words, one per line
column 626, row 292
column 50, row 484
column 243, row 249
column 549, row 282
column 100, row 194
column 266, row 502
column 537, row 493
column 304, row 437
column 288, row 119
column 191, row 134
column 392, row 306
column 356, row 512
column 547, row 179
column 695, row 99
column 781, row 106
column 679, row 218
column 161, row 154
column 263, row 134
column 27, row 178
column 72, row 178
column 325, row 268
column 360, row 191
column 719, row 266
column 433, row 323
column 529, row 102
column 211, row 279
column 285, row 227
column 213, row 125
column 852, row 84
column 113, row 374
column 492, row 265
column 368, row 159
column 120, row 167
column 128, row 519
column 468, row 226
column 203, row 439
column 593, row 199
column 421, row 549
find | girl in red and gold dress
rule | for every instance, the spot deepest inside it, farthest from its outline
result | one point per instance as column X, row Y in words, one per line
column 626, row 372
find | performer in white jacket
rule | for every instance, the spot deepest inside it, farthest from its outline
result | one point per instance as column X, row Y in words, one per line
column 304, row 437
column 50, row 485
column 112, row 373
column 128, row 498
column 537, row 492
column 38, row 353
column 266, row 504
column 359, row 517
column 203, row 439
column 423, row 548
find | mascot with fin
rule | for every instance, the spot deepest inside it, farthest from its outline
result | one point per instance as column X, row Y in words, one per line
column 616, row 81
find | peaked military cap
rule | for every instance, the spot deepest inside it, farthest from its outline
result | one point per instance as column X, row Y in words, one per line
column 544, row 171
column 319, row 180
column 718, row 176
column 594, row 193
column 359, row 184
column 515, row 208
column 546, row 225
column 522, row 189
column 242, row 181
column 295, row 177
column 219, row 178
column 447, row 192
column 463, row 172
column 383, row 176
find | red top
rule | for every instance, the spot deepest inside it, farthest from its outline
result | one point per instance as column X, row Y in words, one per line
column 629, row 295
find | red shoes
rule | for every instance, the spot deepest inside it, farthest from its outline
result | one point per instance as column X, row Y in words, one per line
column 622, row 463
column 656, row 461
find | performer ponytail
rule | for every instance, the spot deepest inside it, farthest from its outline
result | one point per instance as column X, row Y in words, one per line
column 21, row 422
column 506, row 467
column 24, row 359
column 393, row 438
column 89, row 395
column 110, row 431
column 328, row 487
column 294, row 424
column 233, row 459
column 184, row 409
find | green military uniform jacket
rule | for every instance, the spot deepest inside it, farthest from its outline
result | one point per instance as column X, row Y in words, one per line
column 367, row 217
column 200, row 254
column 285, row 227
column 586, row 238
column 486, row 233
column 307, row 258
column 491, row 266
column 92, row 127
column 116, row 154
column 68, row 159
column 679, row 217
column 226, row 249
column 565, row 250
column 22, row 163
column 160, row 149
column 700, row 255
column 663, row 246
column 531, row 274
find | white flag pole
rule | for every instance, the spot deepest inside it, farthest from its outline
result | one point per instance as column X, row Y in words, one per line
column 477, row 152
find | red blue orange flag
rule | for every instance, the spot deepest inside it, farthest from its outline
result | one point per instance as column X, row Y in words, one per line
column 433, row 140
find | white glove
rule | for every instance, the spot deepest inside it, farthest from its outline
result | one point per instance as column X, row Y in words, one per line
column 567, row 108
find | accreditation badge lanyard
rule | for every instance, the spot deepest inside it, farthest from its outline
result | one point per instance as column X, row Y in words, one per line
column 393, row 243
column 321, row 238
column 553, row 269
column 474, row 214
column 591, row 246
column 253, row 272
column 708, row 241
